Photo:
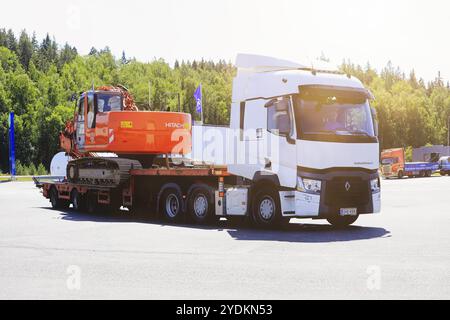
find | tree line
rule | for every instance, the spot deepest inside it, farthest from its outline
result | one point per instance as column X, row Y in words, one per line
column 38, row 77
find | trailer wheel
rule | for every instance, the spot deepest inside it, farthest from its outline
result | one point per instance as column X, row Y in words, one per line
column 266, row 210
column 428, row 173
column 77, row 200
column 200, row 204
column 422, row 174
column 55, row 201
column 342, row 222
column 171, row 204
column 91, row 202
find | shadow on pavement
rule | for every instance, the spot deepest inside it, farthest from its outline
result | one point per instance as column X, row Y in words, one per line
column 311, row 233
column 293, row 232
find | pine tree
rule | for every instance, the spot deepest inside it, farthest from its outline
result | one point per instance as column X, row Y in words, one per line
column 124, row 58
column 25, row 49
column 3, row 38
column 11, row 42
column 93, row 52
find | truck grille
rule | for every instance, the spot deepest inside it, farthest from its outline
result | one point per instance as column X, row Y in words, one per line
column 344, row 192
column 386, row 169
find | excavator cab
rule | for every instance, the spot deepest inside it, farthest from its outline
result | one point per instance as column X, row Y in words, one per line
column 107, row 120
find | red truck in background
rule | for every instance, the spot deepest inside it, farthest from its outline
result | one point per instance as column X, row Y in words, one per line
column 393, row 165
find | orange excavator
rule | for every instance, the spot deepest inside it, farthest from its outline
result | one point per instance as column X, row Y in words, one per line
column 106, row 120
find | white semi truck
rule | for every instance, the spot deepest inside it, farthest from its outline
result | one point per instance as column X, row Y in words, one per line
column 302, row 143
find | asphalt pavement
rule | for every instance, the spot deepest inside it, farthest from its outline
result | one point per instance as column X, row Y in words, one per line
column 401, row 253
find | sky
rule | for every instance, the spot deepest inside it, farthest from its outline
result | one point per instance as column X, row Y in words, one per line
column 411, row 34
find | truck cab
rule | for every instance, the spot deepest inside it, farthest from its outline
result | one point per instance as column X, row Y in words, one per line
column 310, row 135
column 444, row 165
column 393, row 163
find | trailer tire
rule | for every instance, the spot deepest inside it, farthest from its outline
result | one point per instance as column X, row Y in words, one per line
column 78, row 201
column 171, row 204
column 91, row 202
column 428, row 173
column 55, row 201
column 342, row 222
column 266, row 209
column 200, row 204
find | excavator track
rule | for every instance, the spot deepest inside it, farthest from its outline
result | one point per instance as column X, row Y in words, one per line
column 101, row 172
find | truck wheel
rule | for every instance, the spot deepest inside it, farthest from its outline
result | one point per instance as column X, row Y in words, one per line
column 77, row 200
column 171, row 205
column 442, row 173
column 342, row 222
column 422, row 174
column 55, row 201
column 200, row 204
column 266, row 208
column 91, row 202
column 400, row 174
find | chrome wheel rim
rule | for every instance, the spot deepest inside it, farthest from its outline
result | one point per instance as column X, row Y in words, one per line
column 267, row 208
column 200, row 205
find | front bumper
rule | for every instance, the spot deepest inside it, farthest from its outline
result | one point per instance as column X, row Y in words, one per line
column 333, row 196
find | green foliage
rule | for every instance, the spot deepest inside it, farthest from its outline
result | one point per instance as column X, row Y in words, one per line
column 41, row 171
column 38, row 78
column 408, row 154
column 410, row 113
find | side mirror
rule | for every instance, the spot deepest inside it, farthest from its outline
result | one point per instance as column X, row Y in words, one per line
column 73, row 97
column 375, row 120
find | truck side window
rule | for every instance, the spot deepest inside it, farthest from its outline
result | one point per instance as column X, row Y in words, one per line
column 91, row 111
column 278, row 117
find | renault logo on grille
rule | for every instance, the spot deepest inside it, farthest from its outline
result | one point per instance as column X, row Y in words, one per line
column 347, row 185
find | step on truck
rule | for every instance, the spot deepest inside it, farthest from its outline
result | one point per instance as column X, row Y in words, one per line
column 393, row 165
column 302, row 143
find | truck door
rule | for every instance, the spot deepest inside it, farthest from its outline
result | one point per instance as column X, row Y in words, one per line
column 80, row 133
column 281, row 131
column 90, row 119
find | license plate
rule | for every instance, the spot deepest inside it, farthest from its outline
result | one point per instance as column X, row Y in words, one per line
column 348, row 212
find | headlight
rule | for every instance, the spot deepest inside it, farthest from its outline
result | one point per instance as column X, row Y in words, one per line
column 375, row 185
column 309, row 185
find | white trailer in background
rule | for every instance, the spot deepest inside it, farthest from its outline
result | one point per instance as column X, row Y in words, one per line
column 301, row 143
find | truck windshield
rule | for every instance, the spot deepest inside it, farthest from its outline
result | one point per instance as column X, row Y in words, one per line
column 389, row 160
column 333, row 115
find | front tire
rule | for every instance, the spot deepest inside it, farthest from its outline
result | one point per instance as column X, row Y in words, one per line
column 266, row 211
column 400, row 174
column 342, row 221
